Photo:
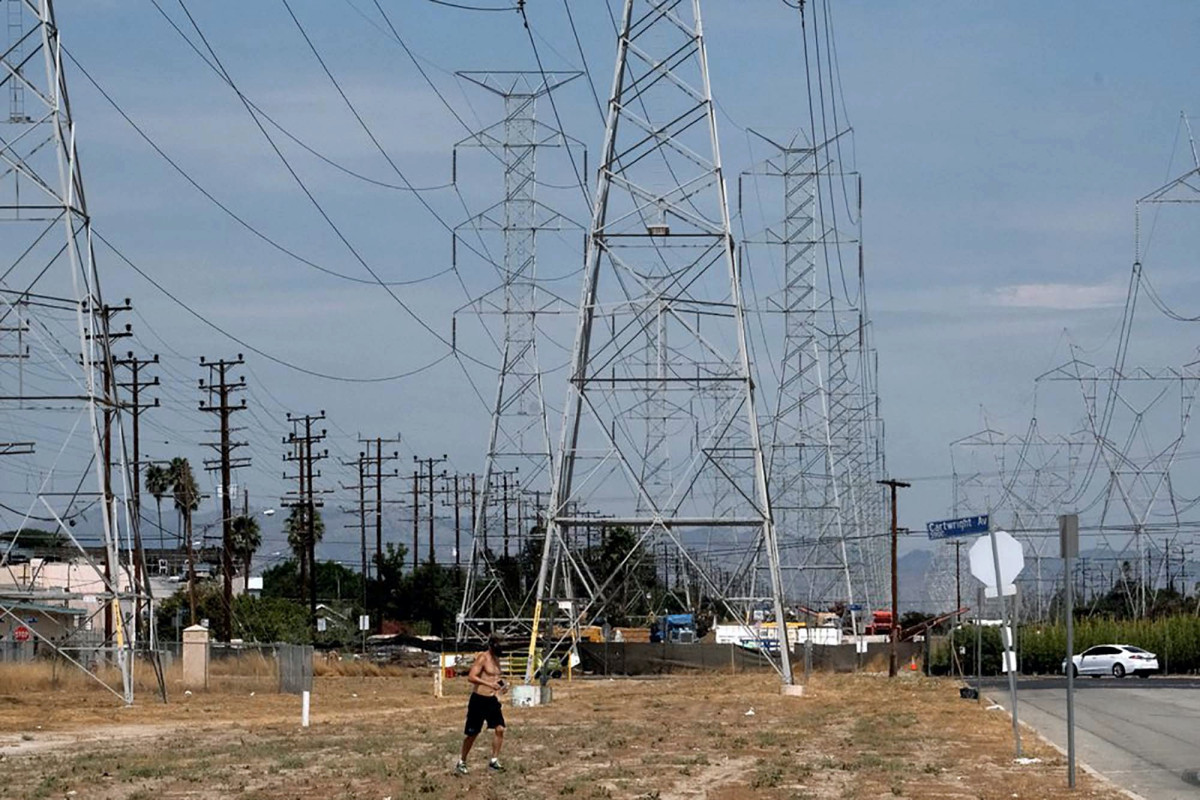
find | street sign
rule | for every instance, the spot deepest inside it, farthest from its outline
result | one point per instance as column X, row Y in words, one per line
column 855, row 607
column 364, row 622
column 21, row 634
column 1068, row 535
column 963, row 526
column 1009, row 553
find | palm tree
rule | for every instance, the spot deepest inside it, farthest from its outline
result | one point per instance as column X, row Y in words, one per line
column 158, row 483
column 187, row 499
column 297, row 537
column 297, row 533
column 246, row 538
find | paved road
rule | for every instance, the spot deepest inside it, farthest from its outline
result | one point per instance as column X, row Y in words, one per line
column 1144, row 735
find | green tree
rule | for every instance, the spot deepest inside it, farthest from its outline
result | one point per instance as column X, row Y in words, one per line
column 187, row 499
column 430, row 593
column 334, row 581
column 282, row 580
column 246, row 538
column 255, row 619
column 633, row 589
column 35, row 538
column 297, row 530
column 158, row 483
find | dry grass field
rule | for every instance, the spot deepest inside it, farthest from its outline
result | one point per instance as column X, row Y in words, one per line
column 379, row 737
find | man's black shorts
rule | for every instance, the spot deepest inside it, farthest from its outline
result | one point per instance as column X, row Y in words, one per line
column 481, row 709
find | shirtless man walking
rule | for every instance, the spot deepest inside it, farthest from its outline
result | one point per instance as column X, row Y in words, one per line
column 484, row 705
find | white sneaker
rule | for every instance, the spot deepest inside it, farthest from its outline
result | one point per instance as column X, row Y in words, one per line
column 460, row 768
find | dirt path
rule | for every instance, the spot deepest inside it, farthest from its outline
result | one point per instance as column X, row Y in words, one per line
column 684, row 738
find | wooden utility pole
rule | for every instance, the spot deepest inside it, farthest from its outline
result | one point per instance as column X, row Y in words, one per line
column 457, row 524
column 110, row 410
column 305, row 498
column 429, row 477
column 475, row 511
column 361, row 525
column 502, row 477
column 219, row 388
column 416, row 509
column 895, row 633
column 378, row 460
column 135, row 407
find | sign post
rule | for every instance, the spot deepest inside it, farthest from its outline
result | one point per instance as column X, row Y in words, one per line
column 1006, row 631
column 1068, row 534
column 998, row 569
column 979, row 647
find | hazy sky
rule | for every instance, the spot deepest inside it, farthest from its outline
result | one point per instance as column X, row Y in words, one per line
column 1002, row 147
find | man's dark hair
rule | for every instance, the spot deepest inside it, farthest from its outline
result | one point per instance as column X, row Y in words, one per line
column 494, row 645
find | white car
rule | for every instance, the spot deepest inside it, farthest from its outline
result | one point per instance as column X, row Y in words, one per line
column 1117, row 660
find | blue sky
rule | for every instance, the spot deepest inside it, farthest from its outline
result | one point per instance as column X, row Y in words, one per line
column 1002, row 148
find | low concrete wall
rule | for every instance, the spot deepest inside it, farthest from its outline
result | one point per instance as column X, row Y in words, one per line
column 636, row 658
column 844, row 657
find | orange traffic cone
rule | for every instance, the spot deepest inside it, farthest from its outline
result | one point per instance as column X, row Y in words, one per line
column 912, row 664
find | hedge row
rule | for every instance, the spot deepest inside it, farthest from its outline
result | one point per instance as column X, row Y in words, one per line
column 1041, row 648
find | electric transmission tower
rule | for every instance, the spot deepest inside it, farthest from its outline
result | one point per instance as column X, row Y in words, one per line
column 808, row 490
column 519, row 435
column 659, row 423
column 50, row 292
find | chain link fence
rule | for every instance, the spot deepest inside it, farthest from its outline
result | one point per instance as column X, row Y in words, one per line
column 295, row 668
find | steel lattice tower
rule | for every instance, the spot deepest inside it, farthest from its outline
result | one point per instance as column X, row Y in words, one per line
column 661, row 331
column 805, row 490
column 518, row 437
column 50, row 286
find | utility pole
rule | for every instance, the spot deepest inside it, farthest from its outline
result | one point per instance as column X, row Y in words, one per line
column 135, row 406
column 454, row 499
column 20, row 309
column 361, row 487
column 895, row 634
column 475, row 509
column 416, row 510
column 380, row 475
column 219, row 389
column 429, row 464
column 305, row 498
column 106, row 315
column 500, row 480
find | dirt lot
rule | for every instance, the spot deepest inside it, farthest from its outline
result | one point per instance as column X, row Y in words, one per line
column 388, row 737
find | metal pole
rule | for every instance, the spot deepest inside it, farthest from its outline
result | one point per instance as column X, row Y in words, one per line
column 1006, row 641
column 1070, row 598
column 979, row 647
column 957, row 574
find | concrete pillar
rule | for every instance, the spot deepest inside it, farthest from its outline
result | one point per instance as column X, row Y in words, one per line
column 195, row 657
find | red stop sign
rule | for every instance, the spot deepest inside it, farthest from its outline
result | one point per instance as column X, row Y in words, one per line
column 21, row 634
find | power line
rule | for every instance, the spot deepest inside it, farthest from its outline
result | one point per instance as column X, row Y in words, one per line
column 297, row 140
column 333, row 226
column 465, row 7
column 275, row 359
column 225, row 208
